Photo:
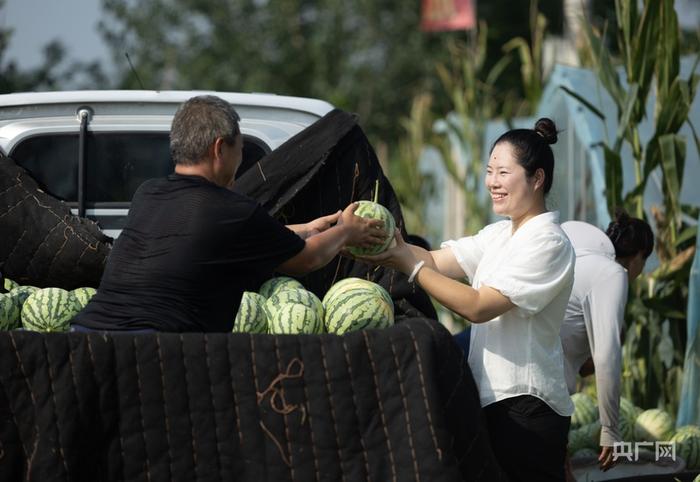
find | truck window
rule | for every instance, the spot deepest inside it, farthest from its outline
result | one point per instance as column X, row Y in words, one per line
column 117, row 163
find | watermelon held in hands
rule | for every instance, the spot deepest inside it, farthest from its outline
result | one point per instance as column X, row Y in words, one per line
column 251, row 316
column 49, row 309
column 374, row 210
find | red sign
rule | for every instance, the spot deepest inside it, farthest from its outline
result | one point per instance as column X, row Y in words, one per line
column 440, row 15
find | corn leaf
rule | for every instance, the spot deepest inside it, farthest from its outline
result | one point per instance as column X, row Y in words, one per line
column 624, row 121
column 613, row 179
column 584, row 101
column 603, row 63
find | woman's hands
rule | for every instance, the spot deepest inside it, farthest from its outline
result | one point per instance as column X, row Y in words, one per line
column 400, row 257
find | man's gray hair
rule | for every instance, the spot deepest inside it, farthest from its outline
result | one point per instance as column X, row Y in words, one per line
column 196, row 126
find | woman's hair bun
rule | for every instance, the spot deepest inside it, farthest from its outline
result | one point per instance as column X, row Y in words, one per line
column 546, row 128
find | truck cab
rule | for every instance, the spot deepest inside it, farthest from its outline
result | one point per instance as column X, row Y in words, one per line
column 92, row 149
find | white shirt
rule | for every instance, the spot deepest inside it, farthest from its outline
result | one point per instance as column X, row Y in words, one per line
column 594, row 320
column 519, row 352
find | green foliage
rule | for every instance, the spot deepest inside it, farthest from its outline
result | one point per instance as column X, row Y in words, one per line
column 649, row 46
column 366, row 57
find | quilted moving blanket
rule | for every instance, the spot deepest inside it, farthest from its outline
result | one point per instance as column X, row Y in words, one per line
column 385, row 405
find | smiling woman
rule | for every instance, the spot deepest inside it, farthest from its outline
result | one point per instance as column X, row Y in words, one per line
column 521, row 273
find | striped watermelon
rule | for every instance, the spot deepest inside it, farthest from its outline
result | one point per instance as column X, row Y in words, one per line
column 83, row 295
column 578, row 440
column 351, row 283
column 592, row 431
column 652, row 425
column 294, row 319
column 294, row 296
column 49, row 309
column 251, row 316
column 374, row 210
column 21, row 293
column 585, row 410
column 9, row 312
column 585, row 454
column 626, row 426
column 688, row 428
column 627, row 417
column 279, row 283
column 357, row 309
column 9, row 285
column 688, row 446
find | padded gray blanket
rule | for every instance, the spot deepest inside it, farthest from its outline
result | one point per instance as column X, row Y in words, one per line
column 384, row 405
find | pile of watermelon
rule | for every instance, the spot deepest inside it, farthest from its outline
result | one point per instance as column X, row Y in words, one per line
column 40, row 309
column 284, row 306
column 636, row 425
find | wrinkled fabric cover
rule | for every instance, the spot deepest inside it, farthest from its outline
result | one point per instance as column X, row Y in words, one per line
column 319, row 171
column 41, row 242
column 396, row 404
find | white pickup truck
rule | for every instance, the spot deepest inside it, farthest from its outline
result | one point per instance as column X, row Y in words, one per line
column 124, row 140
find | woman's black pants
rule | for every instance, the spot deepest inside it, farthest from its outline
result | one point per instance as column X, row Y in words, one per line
column 528, row 438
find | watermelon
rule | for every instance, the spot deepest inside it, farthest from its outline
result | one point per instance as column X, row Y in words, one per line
column 21, row 293
column 688, row 428
column 592, row 432
column 578, row 440
column 9, row 312
column 688, row 447
column 349, row 283
column 294, row 319
column 49, row 309
column 585, row 453
column 374, row 210
column 356, row 309
column 251, row 316
column 83, row 295
column 295, row 296
column 9, row 285
column 653, row 425
column 585, row 410
column 626, row 426
column 278, row 283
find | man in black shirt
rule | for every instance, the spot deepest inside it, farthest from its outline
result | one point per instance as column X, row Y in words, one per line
column 191, row 246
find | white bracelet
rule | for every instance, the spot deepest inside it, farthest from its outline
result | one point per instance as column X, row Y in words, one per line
column 415, row 271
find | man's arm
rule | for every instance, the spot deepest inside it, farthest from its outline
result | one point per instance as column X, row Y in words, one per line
column 318, row 225
column 321, row 248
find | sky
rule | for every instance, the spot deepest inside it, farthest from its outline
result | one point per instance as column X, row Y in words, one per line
column 36, row 22
column 74, row 23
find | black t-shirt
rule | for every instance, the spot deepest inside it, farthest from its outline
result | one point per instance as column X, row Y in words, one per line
column 187, row 253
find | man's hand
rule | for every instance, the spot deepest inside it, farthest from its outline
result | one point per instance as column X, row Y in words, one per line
column 319, row 225
column 362, row 232
column 606, row 459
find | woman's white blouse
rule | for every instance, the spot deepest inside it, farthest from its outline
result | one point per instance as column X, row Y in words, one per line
column 519, row 352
